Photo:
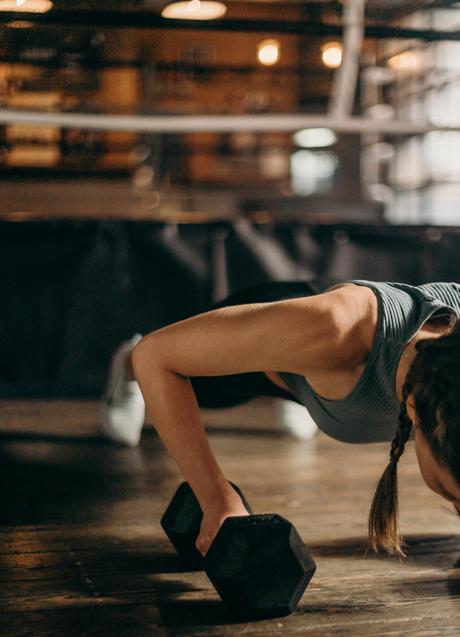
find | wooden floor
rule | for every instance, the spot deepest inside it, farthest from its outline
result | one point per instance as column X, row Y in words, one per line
column 82, row 552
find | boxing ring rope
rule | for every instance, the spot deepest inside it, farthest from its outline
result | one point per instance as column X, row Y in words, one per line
column 218, row 123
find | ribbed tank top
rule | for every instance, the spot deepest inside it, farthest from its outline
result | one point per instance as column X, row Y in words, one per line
column 370, row 412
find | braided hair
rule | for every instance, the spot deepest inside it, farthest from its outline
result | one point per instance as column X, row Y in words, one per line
column 434, row 381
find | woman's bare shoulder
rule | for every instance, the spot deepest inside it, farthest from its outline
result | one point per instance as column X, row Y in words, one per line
column 355, row 308
column 342, row 353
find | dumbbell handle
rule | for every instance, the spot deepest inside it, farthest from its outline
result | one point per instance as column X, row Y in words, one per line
column 185, row 543
column 243, row 499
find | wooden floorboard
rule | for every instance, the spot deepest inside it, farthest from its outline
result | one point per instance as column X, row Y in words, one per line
column 82, row 552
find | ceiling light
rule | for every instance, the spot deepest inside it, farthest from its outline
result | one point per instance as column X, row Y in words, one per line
column 194, row 10
column 315, row 137
column 268, row 52
column 31, row 6
column 331, row 54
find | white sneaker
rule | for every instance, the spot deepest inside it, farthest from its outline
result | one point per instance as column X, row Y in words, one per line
column 123, row 408
column 263, row 414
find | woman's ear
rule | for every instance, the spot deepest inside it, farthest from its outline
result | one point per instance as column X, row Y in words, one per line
column 410, row 407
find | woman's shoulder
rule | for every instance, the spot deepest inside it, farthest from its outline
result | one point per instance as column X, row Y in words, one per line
column 356, row 316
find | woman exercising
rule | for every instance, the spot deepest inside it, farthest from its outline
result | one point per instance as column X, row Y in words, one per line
column 370, row 361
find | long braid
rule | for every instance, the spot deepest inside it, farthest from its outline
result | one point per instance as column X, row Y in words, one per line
column 403, row 432
column 384, row 513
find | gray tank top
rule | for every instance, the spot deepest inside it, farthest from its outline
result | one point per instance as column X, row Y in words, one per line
column 370, row 412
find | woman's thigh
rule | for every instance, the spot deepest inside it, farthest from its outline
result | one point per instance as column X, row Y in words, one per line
column 227, row 391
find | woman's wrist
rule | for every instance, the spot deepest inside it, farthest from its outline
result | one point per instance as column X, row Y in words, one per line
column 220, row 495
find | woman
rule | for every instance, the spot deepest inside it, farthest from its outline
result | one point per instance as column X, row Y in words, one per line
column 370, row 361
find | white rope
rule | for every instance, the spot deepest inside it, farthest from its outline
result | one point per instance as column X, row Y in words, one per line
column 217, row 123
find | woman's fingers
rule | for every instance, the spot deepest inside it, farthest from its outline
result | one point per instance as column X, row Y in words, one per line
column 203, row 544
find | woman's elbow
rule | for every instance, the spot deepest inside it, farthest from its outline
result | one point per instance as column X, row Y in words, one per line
column 146, row 356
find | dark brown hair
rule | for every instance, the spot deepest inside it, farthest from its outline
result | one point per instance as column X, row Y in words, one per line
column 434, row 381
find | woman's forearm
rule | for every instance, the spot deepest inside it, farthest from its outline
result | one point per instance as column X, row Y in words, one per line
column 173, row 408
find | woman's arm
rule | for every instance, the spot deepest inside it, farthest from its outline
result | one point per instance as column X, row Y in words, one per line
column 293, row 335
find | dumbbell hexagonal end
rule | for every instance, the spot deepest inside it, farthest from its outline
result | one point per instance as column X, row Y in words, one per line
column 259, row 565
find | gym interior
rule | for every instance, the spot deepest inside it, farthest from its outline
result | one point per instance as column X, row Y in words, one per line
column 155, row 158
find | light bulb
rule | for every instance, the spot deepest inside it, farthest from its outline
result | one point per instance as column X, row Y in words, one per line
column 268, row 52
column 31, row 6
column 194, row 10
column 332, row 54
column 315, row 137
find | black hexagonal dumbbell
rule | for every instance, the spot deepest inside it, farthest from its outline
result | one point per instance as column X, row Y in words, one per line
column 258, row 563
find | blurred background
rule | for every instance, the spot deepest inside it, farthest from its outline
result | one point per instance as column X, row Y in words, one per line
column 156, row 157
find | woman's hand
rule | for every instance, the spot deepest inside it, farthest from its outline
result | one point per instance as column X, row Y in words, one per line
column 213, row 518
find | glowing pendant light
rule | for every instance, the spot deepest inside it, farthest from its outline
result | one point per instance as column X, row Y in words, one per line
column 31, row 6
column 194, row 10
column 268, row 52
column 315, row 138
column 331, row 54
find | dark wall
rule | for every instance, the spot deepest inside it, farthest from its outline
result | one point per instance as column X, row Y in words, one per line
column 72, row 290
